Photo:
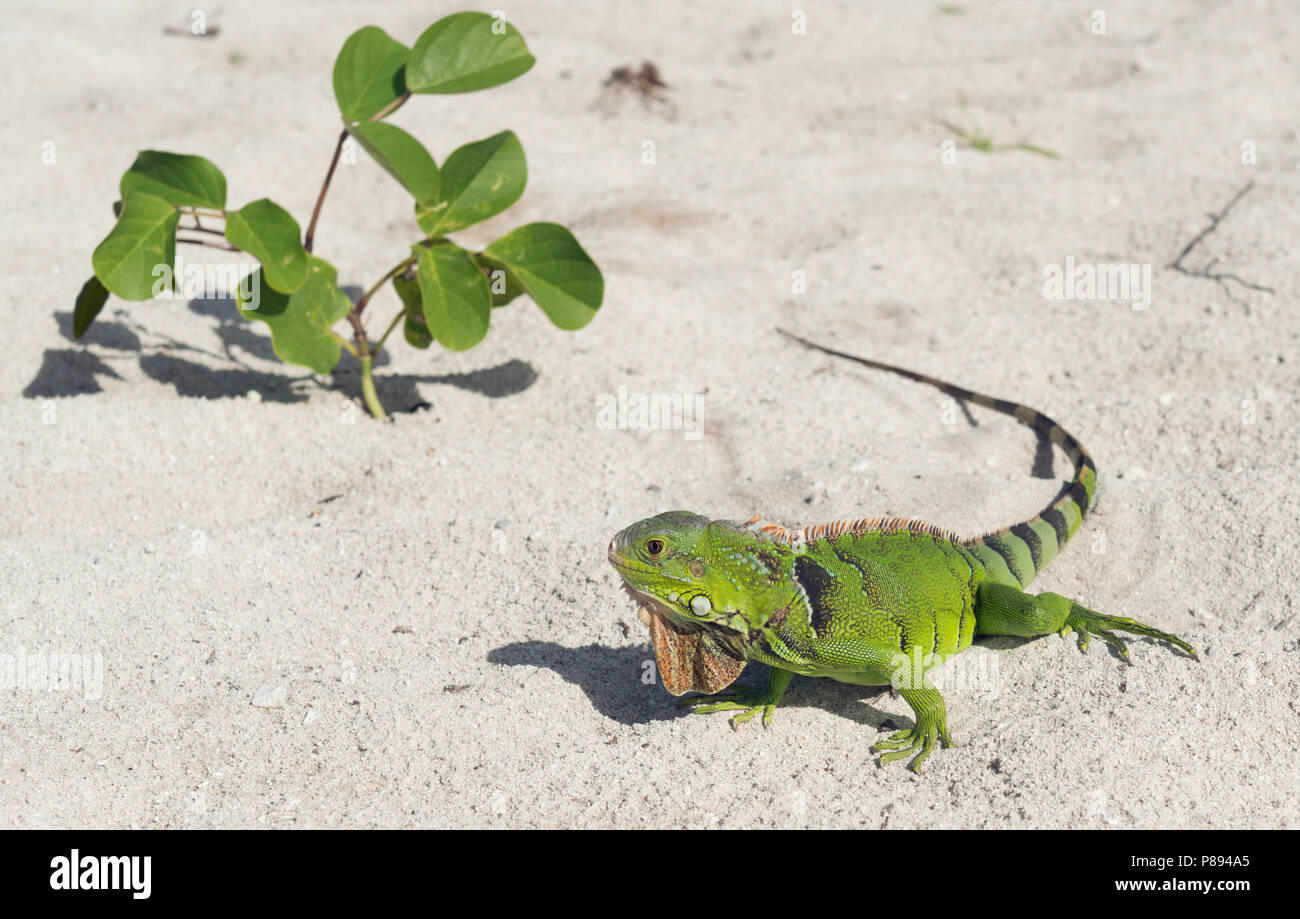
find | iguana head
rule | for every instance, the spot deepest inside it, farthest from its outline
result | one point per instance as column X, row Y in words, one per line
column 703, row 586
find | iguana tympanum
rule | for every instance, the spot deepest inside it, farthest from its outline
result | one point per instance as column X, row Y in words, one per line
column 856, row 600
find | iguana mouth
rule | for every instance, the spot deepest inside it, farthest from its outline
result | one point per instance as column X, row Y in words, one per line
column 648, row 605
column 627, row 564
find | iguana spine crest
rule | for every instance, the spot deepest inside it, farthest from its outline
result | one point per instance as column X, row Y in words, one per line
column 846, row 527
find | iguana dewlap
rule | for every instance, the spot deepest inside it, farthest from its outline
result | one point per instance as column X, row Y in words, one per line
column 851, row 600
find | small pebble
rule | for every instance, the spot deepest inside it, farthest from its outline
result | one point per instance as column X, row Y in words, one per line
column 270, row 696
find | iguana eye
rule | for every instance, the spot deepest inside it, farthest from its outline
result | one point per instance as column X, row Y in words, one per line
column 654, row 546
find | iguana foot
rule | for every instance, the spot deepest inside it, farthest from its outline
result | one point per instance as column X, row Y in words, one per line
column 904, row 743
column 931, row 726
column 1086, row 623
column 749, row 701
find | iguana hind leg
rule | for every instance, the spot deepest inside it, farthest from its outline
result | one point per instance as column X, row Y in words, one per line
column 1087, row 623
column 1004, row 610
column 749, row 701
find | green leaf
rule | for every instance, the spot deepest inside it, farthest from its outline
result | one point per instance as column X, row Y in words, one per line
column 466, row 52
column 270, row 234
column 415, row 327
column 301, row 322
column 117, row 208
column 189, row 181
column 478, row 181
column 549, row 264
column 402, row 156
column 90, row 301
column 503, row 285
column 129, row 261
column 369, row 73
column 455, row 295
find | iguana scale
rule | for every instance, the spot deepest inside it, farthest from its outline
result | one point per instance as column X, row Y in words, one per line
column 851, row 600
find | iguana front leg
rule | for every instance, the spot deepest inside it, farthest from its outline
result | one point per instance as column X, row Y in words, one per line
column 863, row 662
column 874, row 663
column 931, row 725
column 749, row 700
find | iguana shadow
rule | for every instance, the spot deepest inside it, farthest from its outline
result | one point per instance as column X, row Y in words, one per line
column 612, row 679
column 1044, row 456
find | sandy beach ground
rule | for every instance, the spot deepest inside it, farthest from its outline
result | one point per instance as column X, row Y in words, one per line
column 296, row 617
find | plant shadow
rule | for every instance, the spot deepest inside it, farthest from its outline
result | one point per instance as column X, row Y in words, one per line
column 68, row 372
column 76, row 370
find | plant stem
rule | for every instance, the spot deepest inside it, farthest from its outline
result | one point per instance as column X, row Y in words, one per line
column 389, row 331
column 205, row 242
column 395, row 270
column 351, row 348
column 325, row 186
column 368, row 389
column 359, row 334
column 390, row 107
column 363, row 352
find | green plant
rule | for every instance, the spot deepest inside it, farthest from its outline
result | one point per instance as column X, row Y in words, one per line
column 447, row 292
column 976, row 139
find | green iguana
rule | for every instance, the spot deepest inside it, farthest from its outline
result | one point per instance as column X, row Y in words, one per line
column 856, row 600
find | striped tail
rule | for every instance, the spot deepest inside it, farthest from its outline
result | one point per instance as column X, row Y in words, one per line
column 1016, row 554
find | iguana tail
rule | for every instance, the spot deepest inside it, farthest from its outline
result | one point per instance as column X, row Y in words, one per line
column 1016, row 554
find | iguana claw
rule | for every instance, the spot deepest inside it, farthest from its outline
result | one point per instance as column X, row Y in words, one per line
column 931, row 726
column 1087, row 623
column 903, row 743
column 748, row 702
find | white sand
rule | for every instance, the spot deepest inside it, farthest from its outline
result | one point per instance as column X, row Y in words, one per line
column 452, row 647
